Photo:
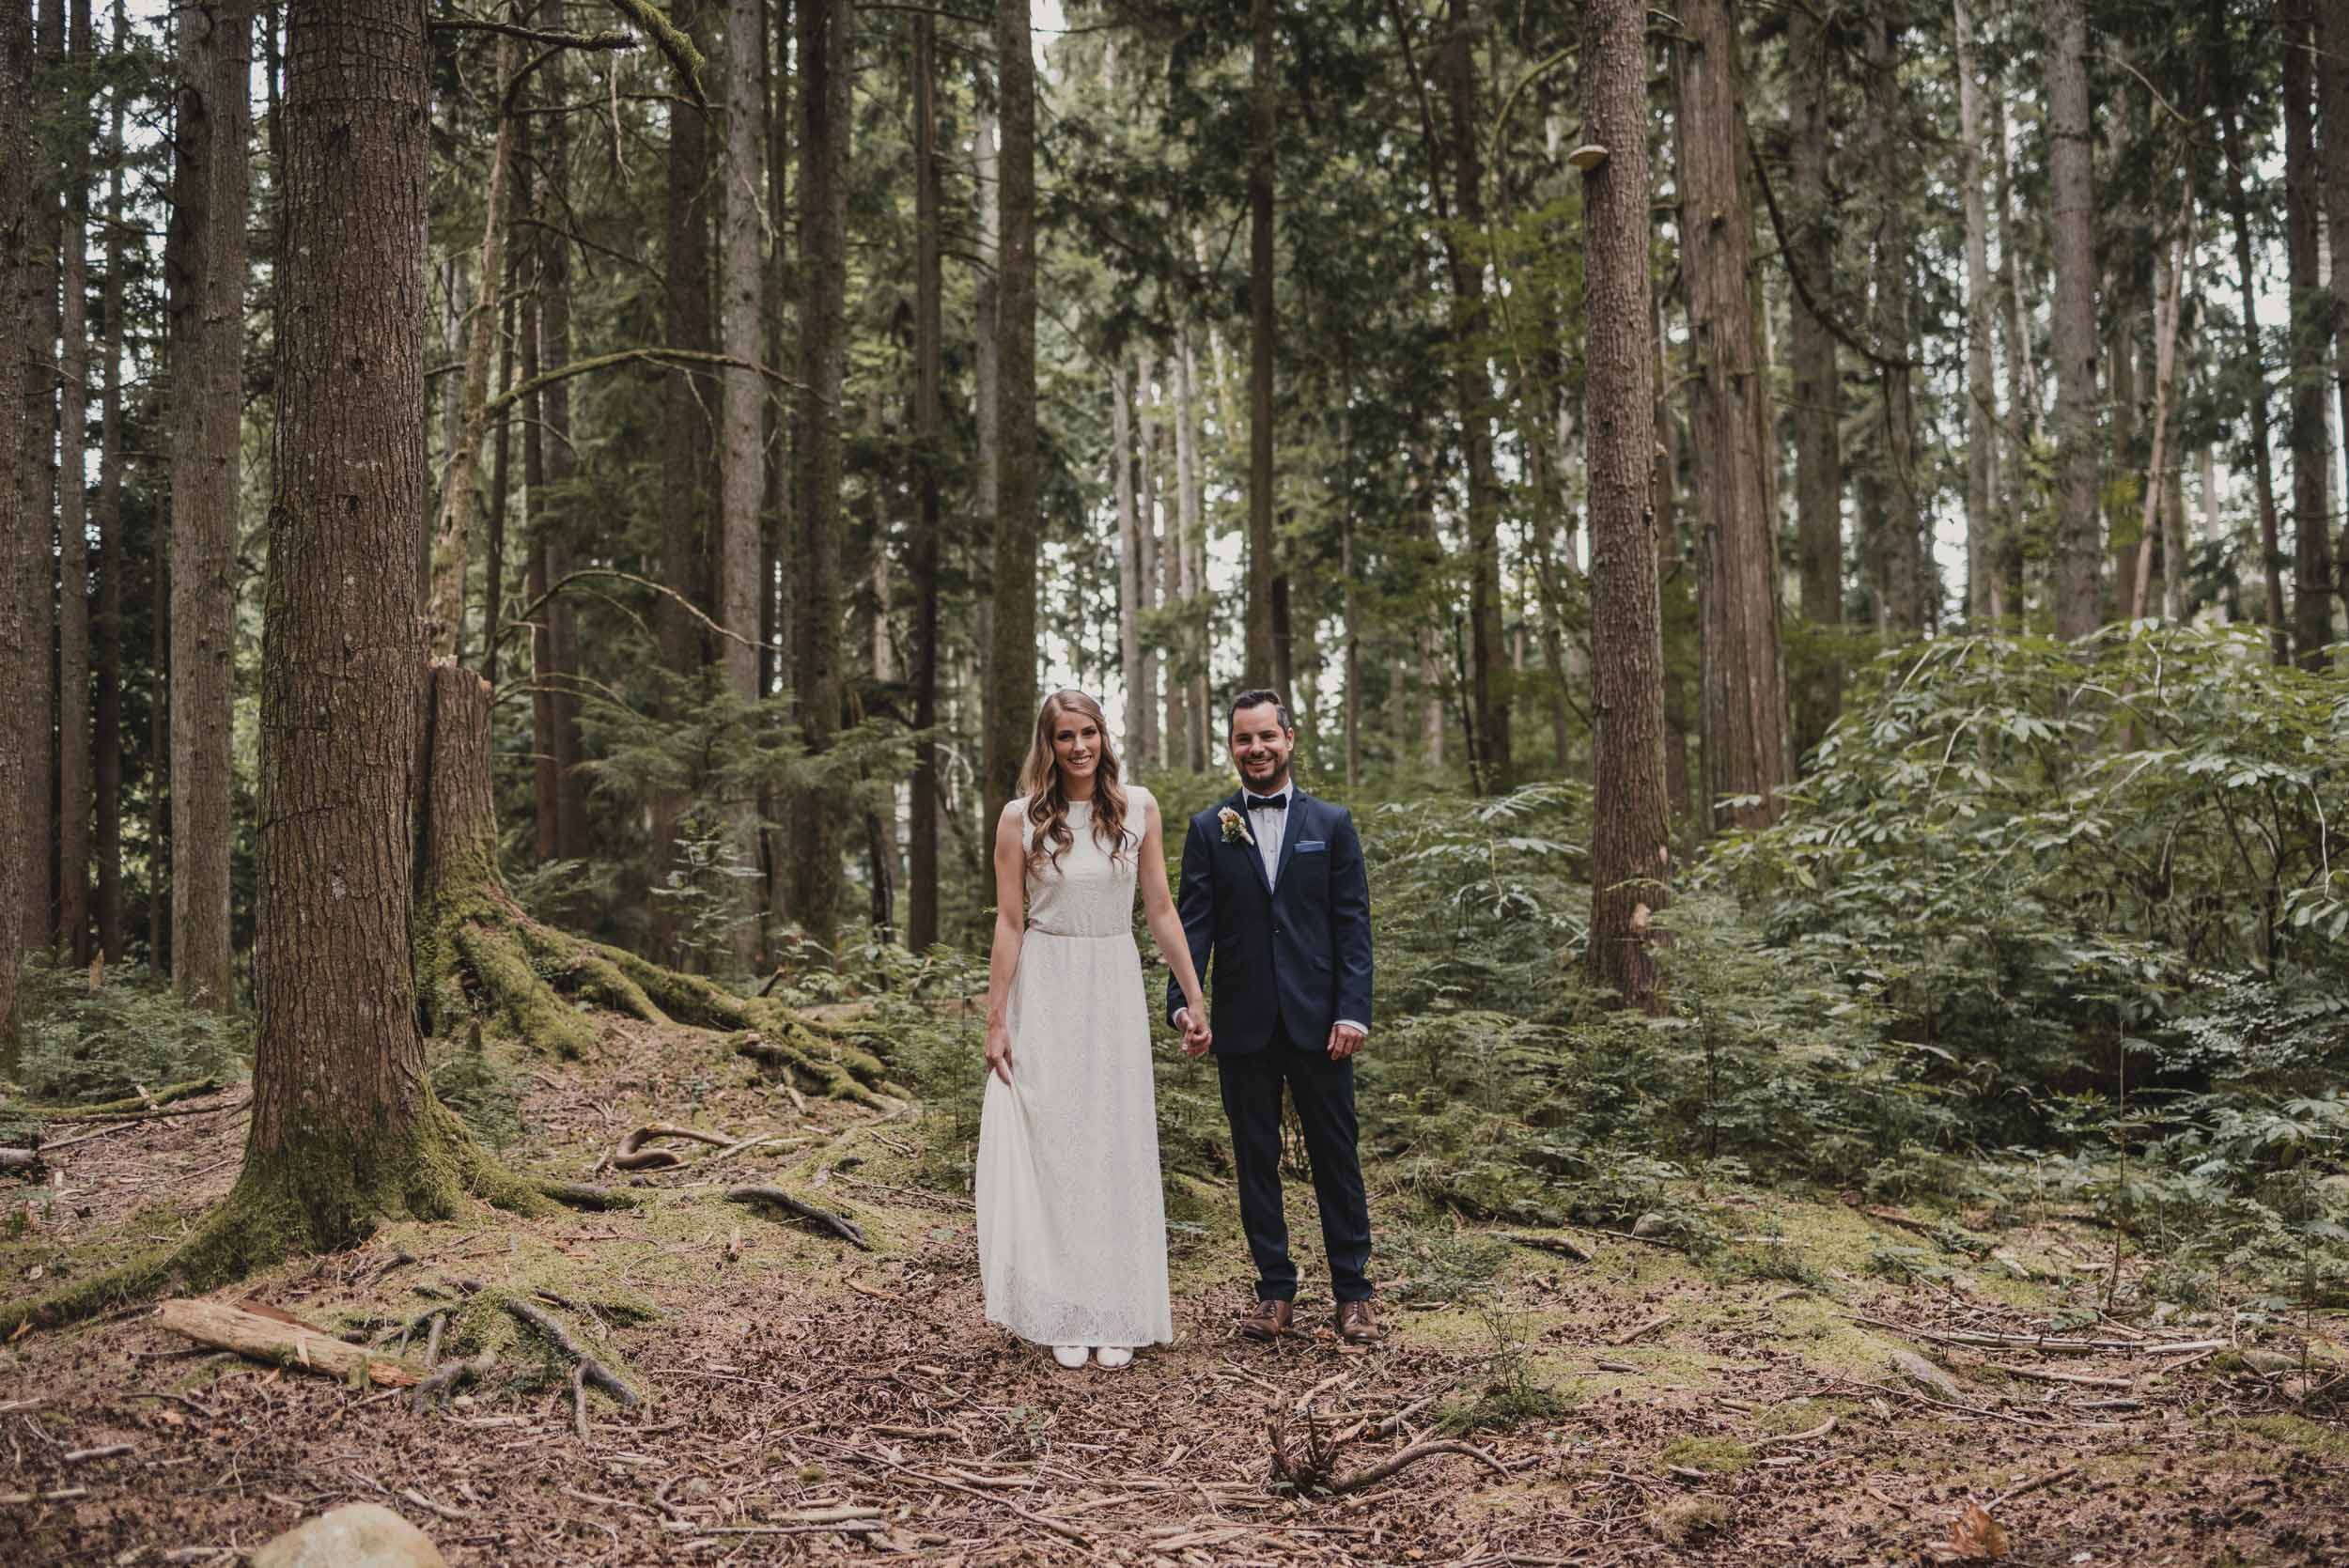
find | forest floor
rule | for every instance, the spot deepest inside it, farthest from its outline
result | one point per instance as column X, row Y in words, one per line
column 1661, row 1412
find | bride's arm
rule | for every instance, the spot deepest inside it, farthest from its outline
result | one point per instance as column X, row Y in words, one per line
column 1011, row 891
column 1157, row 907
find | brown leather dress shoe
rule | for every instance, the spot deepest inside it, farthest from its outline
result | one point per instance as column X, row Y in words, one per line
column 1356, row 1326
column 1269, row 1321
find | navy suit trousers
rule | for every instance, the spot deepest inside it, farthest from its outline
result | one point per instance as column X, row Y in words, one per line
column 1323, row 1092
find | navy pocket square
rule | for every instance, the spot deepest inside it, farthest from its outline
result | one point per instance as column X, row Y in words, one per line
column 1312, row 846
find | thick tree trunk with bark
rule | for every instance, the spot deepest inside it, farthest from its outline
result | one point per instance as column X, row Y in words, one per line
column 551, row 520
column 2332, row 87
column 2073, row 335
column 1817, row 388
column 742, row 457
column 1744, row 694
column 75, row 802
column 1263, row 125
column 1011, row 675
column 921, row 911
column 1149, row 750
column 2311, row 441
column 685, row 456
column 107, row 627
column 2238, row 212
column 1903, row 578
column 1191, row 550
column 1631, row 861
column 207, row 373
column 826, row 62
column 1985, row 596
column 1128, row 558
column 21, row 565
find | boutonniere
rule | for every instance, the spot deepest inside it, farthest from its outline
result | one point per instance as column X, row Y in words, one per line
column 1234, row 829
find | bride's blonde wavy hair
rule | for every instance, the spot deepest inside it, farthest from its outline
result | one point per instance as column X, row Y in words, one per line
column 1048, row 803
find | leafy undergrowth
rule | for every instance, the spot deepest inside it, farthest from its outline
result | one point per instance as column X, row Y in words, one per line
column 1738, row 1404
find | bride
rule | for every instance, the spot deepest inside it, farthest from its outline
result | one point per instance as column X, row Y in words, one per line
column 1072, row 1225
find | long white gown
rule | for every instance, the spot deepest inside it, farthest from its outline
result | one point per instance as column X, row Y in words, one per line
column 1072, row 1225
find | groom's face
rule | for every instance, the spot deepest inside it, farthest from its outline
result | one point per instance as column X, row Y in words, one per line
column 1261, row 746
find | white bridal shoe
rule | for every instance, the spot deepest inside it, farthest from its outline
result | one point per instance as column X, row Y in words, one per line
column 1112, row 1357
column 1069, row 1356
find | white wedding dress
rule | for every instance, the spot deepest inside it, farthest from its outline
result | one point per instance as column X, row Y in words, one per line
column 1072, row 1225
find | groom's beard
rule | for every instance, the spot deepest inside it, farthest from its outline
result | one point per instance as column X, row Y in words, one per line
column 1272, row 785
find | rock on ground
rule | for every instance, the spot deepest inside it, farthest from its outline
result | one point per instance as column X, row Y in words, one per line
column 356, row 1535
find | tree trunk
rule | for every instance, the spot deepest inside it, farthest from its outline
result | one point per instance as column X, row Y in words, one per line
column 107, row 742
column 1191, row 550
column 1491, row 769
column 742, row 455
column 75, row 802
column 1744, row 696
column 345, row 1130
column 2311, row 441
column 461, row 481
column 2332, row 85
column 2073, row 332
column 1817, row 387
column 205, row 381
column 1680, row 624
column 1149, row 750
column 2271, row 545
column 922, row 902
column 2021, row 389
column 21, row 565
column 550, row 525
column 1985, row 596
column 2169, row 286
column 501, row 475
column 1011, row 674
column 685, row 460
column 1904, row 572
column 1631, row 861
column 1128, row 553
column 826, row 63
column 1263, row 104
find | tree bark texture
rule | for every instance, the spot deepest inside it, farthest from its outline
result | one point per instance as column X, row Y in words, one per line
column 1191, row 550
column 1263, row 126
column 1011, row 674
column 922, row 850
column 2073, row 332
column 2332, row 87
column 1129, row 559
column 2263, row 462
column 107, row 627
column 1489, row 675
column 2311, row 441
column 1147, row 749
column 1986, row 596
column 208, row 351
column 742, row 455
column 22, row 565
column 826, row 64
column 1816, row 413
column 1744, row 694
column 1630, row 862
column 1903, row 571
column 686, row 453
column 75, row 797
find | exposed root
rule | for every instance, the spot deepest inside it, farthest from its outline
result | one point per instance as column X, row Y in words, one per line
column 824, row 1218
column 632, row 1154
column 1312, row 1468
column 133, row 1105
column 583, row 1195
column 587, row 1366
column 817, row 1059
column 445, row 1380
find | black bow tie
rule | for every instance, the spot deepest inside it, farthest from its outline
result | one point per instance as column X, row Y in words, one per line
column 1268, row 802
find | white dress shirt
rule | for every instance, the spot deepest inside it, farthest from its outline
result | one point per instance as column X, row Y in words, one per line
column 1271, row 827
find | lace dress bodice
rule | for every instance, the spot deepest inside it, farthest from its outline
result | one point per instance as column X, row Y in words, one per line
column 1090, row 892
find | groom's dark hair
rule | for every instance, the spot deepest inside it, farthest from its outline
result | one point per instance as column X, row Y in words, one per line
column 1258, row 698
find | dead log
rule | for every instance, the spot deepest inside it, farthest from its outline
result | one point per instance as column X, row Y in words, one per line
column 20, row 1159
column 229, row 1327
column 824, row 1218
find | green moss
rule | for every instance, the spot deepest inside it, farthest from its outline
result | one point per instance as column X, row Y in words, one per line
column 2300, row 1432
column 1686, row 1521
column 1801, row 1414
column 1712, row 1455
column 535, row 1016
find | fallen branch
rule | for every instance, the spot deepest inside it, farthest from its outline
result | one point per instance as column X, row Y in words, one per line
column 632, row 1154
column 2080, row 1378
column 1409, row 1456
column 848, row 1230
column 2029, row 1487
column 1789, row 1439
column 287, row 1345
column 131, row 1105
column 1641, row 1330
column 595, row 1371
column 1563, row 1246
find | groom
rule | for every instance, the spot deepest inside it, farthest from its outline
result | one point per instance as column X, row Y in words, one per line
column 1273, row 889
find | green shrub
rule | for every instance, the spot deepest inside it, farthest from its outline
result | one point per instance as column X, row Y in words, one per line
column 82, row 1047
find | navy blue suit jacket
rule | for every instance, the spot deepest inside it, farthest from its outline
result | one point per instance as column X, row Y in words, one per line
column 1296, row 951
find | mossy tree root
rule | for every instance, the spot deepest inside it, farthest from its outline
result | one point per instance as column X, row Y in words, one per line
column 299, row 1200
column 816, row 1060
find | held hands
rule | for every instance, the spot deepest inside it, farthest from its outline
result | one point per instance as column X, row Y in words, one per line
column 1344, row 1040
column 999, row 1049
column 1197, row 1037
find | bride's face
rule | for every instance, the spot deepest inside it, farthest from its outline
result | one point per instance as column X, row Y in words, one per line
column 1076, row 747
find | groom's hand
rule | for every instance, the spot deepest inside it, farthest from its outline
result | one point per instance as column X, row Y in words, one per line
column 1344, row 1040
column 1197, row 1037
